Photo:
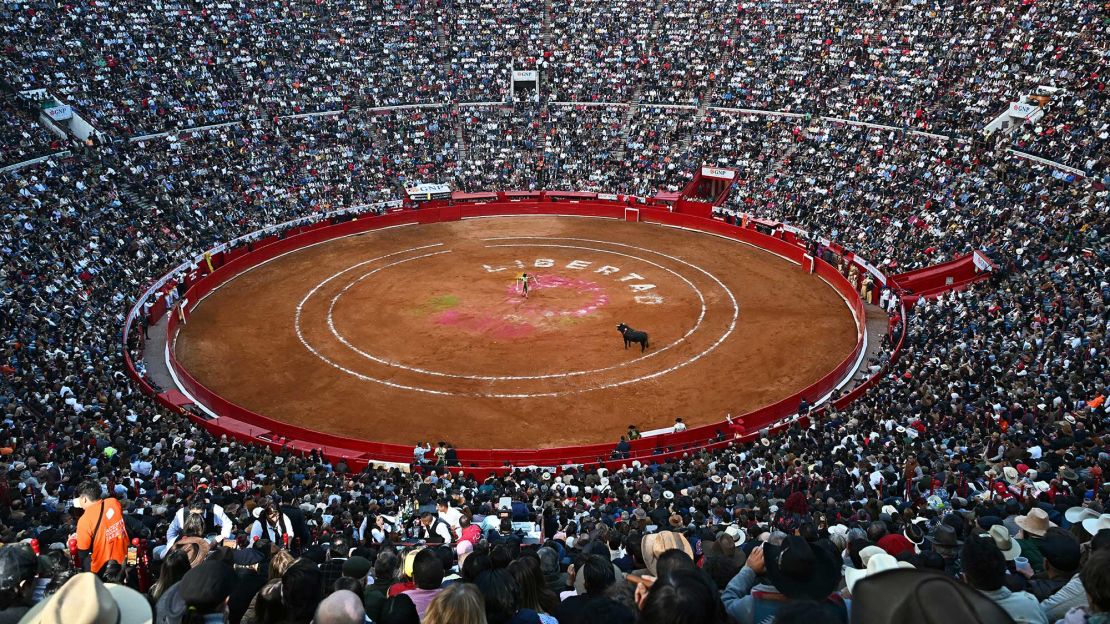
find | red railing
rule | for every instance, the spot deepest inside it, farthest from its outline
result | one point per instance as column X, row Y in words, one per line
column 249, row 426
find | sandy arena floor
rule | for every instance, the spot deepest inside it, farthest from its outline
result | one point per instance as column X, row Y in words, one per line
column 422, row 333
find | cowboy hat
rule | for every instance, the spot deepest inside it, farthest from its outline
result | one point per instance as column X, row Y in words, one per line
column 1011, row 474
column 653, row 545
column 1075, row 515
column 921, row 597
column 915, row 534
column 944, row 537
column 1094, row 525
column 736, row 533
column 867, row 552
column 800, row 570
column 84, row 599
column 876, row 564
column 1010, row 547
column 1035, row 523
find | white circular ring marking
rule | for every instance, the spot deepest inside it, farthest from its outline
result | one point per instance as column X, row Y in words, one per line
column 341, row 338
column 687, row 362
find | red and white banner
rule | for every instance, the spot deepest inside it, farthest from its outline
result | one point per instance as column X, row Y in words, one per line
column 982, row 262
column 718, row 173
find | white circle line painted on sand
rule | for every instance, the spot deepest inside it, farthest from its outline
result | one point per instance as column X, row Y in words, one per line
column 657, row 374
column 323, row 358
column 341, row 338
column 687, row 362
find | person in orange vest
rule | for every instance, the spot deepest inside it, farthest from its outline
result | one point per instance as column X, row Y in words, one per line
column 101, row 533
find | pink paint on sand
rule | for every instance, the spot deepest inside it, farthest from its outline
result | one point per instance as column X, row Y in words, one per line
column 447, row 317
column 518, row 321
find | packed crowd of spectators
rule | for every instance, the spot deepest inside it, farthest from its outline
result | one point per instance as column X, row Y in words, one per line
column 21, row 136
column 598, row 51
column 977, row 458
column 945, row 68
column 991, row 420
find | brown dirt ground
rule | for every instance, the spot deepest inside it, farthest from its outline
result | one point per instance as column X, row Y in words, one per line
column 448, row 314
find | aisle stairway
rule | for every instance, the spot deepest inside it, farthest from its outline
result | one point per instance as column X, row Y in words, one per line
column 637, row 95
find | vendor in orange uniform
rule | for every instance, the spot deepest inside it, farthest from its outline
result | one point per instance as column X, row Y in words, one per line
column 101, row 533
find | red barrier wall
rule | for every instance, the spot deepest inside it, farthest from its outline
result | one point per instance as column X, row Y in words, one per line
column 239, row 422
column 938, row 279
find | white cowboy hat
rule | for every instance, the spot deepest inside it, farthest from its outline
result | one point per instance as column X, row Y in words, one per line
column 1075, row 515
column 1009, row 546
column 1094, row 525
column 877, row 563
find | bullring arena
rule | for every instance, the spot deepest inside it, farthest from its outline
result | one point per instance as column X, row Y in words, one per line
column 409, row 332
column 554, row 312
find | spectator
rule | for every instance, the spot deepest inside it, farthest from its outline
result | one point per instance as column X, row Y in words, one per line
column 679, row 597
column 174, row 567
column 18, row 567
column 597, row 574
column 434, row 530
column 101, row 533
column 385, row 572
column 1097, row 586
column 211, row 516
column 271, row 524
column 459, row 603
column 204, row 591
column 984, row 569
column 795, row 570
column 427, row 575
column 341, row 607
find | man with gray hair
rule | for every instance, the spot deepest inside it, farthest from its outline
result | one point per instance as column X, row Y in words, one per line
column 342, row 607
column 549, row 564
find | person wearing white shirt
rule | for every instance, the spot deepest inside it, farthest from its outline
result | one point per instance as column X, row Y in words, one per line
column 213, row 516
column 678, row 425
column 434, row 530
column 383, row 526
column 271, row 524
column 449, row 514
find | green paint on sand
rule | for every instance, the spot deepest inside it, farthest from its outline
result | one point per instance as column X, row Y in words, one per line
column 439, row 303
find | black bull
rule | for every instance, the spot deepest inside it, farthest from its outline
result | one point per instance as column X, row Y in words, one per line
column 631, row 335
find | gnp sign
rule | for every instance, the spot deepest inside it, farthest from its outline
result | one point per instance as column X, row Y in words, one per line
column 1022, row 110
column 715, row 172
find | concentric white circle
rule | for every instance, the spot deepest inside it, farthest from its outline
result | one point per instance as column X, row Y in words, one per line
column 380, row 360
column 602, row 386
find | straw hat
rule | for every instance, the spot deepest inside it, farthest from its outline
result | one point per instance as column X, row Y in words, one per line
column 654, row 545
column 1035, row 523
column 84, row 599
column 1009, row 546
